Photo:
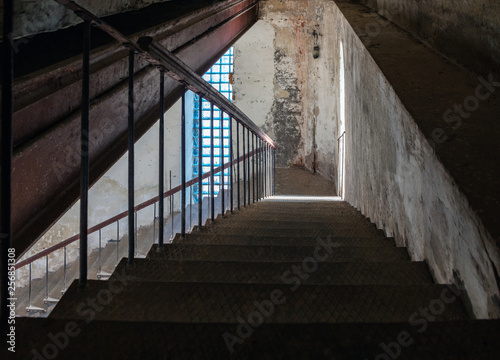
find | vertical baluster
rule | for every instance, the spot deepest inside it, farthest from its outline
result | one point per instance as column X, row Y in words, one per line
column 231, row 178
column 248, row 164
column 65, row 268
column 31, row 308
column 117, row 242
column 221, row 140
column 200, row 163
column 154, row 222
column 183, row 162
column 171, row 205
column 238, row 162
column 136, row 238
column 212, row 187
column 29, row 291
column 161, row 160
column 261, row 169
column 131, row 158
column 266, row 173
column 100, row 250
column 190, row 208
column 244, row 170
column 274, row 171
column 46, row 300
column 258, row 167
column 253, row 168
column 84, row 181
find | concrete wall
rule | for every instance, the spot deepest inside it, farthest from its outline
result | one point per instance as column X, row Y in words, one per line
column 284, row 90
column 33, row 17
column 467, row 31
column 394, row 178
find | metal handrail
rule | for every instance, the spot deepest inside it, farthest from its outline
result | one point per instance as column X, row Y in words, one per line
column 167, row 63
column 173, row 66
column 124, row 214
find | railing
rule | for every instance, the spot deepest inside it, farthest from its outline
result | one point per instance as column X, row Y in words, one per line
column 341, row 152
column 257, row 159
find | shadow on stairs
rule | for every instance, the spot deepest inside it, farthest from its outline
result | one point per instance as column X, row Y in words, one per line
column 276, row 280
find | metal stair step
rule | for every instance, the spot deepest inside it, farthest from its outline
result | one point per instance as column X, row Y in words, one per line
column 199, row 238
column 224, row 303
column 335, row 253
column 285, row 232
column 460, row 339
column 341, row 273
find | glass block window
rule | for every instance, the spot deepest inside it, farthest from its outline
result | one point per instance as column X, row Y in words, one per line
column 219, row 77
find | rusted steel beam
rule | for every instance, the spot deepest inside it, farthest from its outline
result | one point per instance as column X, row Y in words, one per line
column 46, row 161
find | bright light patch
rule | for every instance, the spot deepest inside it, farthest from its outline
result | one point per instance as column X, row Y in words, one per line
column 303, row 198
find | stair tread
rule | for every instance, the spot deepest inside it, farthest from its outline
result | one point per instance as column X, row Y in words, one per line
column 361, row 273
column 263, row 253
column 340, row 288
column 154, row 340
column 217, row 302
column 292, row 224
column 286, row 232
column 198, row 238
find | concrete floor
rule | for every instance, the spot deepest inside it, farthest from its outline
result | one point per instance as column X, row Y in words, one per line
column 299, row 181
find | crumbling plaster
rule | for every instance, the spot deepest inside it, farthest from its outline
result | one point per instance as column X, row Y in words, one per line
column 295, row 103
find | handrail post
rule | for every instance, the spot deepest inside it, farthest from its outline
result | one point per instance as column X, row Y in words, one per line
column 6, row 160
column 131, row 157
column 257, row 170
column 259, row 182
column 231, row 179
column 171, row 198
column 260, row 168
column 161, row 160
column 263, row 165
column 266, row 164
column 212, row 187
column 221, row 140
column 244, row 169
column 238, row 162
column 200, row 163
column 253, row 167
column 183, row 162
column 248, row 164
column 84, row 145
column 274, row 172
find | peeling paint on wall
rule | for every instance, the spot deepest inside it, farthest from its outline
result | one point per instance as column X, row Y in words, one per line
column 303, row 117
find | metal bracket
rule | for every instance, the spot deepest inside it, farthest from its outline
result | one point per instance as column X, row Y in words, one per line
column 50, row 300
column 101, row 275
column 35, row 309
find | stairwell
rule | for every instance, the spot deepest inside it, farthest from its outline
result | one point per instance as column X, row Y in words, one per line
column 279, row 279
